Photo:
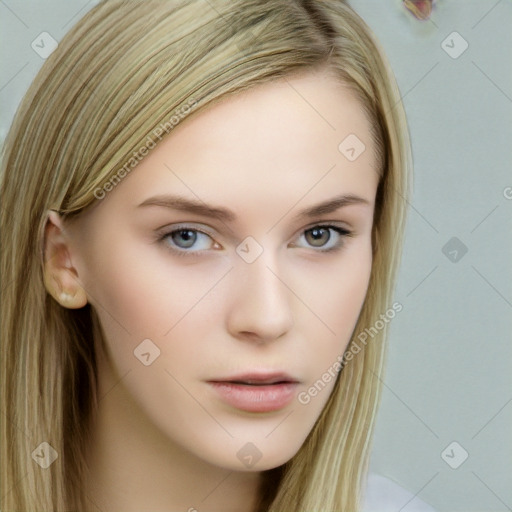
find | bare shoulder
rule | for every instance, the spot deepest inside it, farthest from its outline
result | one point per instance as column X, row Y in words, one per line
column 384, row 495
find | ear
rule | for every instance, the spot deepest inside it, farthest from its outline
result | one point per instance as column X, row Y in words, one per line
column 60, row 277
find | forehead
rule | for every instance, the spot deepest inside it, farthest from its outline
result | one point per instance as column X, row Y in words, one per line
column 284, row 138
column 277, row 120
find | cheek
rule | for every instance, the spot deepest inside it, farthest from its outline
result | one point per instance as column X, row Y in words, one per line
column 336, row 292
column 334, row 300
column 155, row 311
column 142, row 293
column 145, row 289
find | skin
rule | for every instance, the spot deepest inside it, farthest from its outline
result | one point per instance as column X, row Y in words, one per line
column 162, row 438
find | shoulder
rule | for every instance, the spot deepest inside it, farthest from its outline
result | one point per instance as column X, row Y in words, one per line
column 384, row 495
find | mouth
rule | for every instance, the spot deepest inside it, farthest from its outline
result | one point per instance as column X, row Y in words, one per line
column 256, row 392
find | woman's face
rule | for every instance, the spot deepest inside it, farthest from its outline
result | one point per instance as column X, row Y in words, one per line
column 228, row 269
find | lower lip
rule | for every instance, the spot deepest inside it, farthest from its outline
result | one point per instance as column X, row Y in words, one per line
column 266, row 398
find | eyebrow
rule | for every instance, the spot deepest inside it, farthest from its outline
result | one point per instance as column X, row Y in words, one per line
column 183, row 204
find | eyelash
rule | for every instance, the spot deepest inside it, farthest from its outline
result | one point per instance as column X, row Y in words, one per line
column 343, row 232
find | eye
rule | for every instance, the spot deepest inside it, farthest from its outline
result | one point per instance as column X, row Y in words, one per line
column 187, row 240
column 323, row 237
column 184, row 240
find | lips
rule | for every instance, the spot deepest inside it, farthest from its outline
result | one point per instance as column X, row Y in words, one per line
column 256, row 391
column 258, row 379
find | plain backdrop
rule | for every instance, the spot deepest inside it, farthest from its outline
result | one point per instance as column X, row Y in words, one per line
column 444, row 428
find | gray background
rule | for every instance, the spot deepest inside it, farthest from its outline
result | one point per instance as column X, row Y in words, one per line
column 449, row 375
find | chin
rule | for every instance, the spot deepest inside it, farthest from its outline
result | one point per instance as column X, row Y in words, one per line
column 259, row 454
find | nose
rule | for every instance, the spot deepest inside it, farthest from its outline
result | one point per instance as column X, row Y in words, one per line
column 260, row 308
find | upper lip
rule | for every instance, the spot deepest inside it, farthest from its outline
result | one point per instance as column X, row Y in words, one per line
column 257, row 378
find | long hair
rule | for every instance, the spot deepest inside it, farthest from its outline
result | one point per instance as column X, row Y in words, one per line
column 125, row 69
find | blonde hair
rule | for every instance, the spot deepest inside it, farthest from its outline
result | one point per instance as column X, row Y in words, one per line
column 123, row 70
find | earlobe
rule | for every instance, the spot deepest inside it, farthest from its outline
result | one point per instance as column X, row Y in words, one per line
column 60, row 277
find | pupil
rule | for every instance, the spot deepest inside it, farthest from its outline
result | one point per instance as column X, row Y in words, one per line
column 184, row 238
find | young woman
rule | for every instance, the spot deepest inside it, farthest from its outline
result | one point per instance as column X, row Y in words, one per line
column 203, row 208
